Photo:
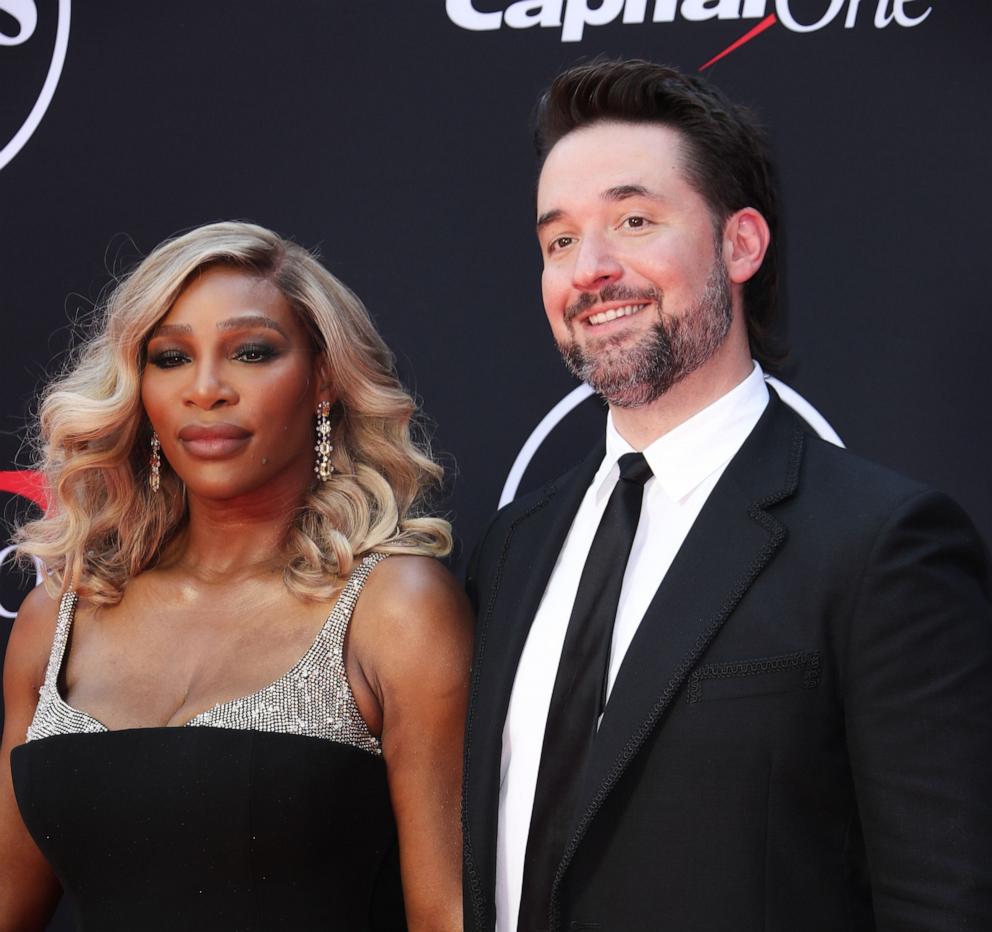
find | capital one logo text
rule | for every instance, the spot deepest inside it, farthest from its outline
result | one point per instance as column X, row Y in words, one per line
column 572, row 16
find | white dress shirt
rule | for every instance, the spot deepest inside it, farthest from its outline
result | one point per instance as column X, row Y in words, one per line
column 687, row 462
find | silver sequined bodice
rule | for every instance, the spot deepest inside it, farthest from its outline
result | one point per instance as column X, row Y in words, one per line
column 313, row 698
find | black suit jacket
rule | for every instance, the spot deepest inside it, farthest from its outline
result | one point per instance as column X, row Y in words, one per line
column 798, row 738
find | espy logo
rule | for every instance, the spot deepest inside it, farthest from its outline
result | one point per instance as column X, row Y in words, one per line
column 24, row 14
column 572, row 16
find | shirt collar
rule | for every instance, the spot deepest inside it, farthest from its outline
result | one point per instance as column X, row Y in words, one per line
column 686, row 455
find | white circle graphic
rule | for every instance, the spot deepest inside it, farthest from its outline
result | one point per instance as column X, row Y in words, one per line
column 47, row 89
column 577, row 395
column 39, row 576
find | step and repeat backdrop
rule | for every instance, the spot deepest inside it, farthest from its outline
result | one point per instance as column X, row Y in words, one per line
column 395, row 138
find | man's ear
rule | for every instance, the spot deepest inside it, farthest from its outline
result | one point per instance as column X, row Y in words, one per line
column 745, row 241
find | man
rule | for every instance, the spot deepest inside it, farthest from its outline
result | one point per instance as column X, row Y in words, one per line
column 728, row 677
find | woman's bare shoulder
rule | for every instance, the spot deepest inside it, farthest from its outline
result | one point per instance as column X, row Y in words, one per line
column 407, row 587
column 32, row 634
column 413, row 610
column 38, row 607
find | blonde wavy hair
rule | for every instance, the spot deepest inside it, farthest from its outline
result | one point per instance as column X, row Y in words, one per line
column 104, row 525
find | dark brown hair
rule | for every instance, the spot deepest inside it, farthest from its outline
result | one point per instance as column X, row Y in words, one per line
column 726, row 153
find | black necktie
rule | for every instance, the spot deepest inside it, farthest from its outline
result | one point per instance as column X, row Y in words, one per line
column 579, row 694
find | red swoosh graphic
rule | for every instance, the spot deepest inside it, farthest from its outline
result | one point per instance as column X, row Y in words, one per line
column 766, row 23
column 24, row 482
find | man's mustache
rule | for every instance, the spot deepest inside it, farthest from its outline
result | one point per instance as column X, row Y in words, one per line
column 616, row 292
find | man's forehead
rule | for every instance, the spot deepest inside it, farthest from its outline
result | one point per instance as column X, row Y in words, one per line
column 610, row 162
column 612, row 195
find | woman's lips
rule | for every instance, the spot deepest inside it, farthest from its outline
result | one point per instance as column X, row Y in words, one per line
column 214, row 441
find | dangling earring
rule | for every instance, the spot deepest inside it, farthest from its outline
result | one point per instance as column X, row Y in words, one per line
column 324, row 447
column 155, row 461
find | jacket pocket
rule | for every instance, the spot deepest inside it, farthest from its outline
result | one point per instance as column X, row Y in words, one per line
column 783, row 673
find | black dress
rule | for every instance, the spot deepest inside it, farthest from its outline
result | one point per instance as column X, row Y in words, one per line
column 267, row 813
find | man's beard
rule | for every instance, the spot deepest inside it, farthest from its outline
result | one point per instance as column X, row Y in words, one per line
column 631, row 376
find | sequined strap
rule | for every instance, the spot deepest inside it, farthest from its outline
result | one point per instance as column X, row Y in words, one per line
column 314, row 697
column 340, row 617
column 63, row 624
column 52, row 716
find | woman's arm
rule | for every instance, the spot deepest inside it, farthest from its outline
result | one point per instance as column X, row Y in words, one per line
column 412, row 637
column 29, row 891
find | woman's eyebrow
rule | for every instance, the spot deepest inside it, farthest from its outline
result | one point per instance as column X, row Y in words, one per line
column 252, row 320
column 166, row 329
column 232, row 323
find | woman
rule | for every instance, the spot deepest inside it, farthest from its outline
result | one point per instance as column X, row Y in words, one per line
column 245, row 677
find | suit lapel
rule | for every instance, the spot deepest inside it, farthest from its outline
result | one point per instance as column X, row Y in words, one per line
column 528, row 555
column 731, row 542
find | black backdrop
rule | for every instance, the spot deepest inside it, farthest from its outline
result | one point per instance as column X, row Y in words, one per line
column 397, row 141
